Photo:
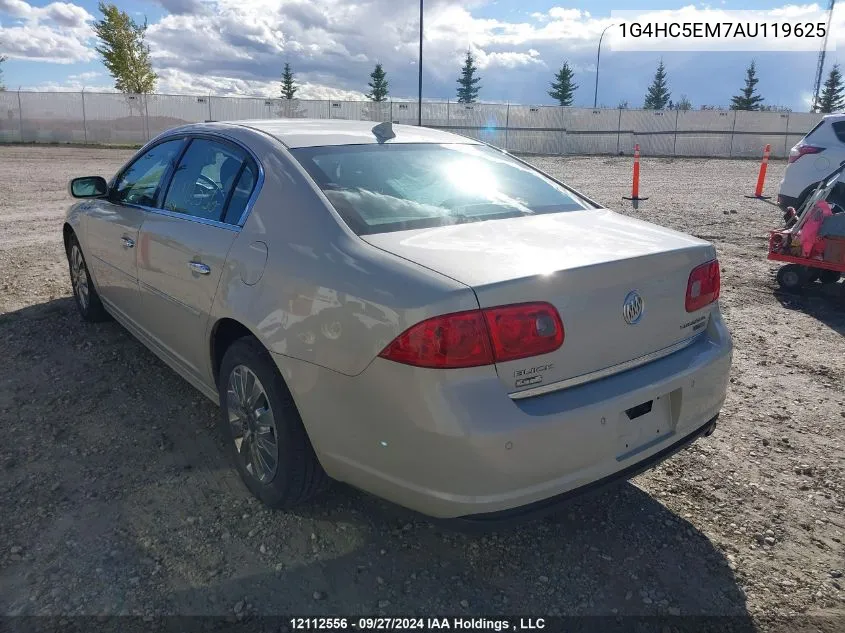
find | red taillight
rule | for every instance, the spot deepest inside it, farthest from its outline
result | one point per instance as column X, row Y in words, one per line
column 523, row 330
column 451, row 340
column 802, row 150
column 479, row 337
column 703, row 286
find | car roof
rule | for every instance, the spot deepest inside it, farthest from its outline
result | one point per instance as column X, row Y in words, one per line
column 320, row 132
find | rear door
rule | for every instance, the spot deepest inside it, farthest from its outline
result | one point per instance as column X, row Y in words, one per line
column 185, row 243
column 112, row 226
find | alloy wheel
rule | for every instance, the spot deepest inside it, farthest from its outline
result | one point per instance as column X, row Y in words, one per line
column 79, row 276
column 252, row 423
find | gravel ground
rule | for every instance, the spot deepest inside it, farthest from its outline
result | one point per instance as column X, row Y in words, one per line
column 116, row 497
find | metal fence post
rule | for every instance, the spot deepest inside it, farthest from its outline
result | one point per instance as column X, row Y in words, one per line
column 733, row 127
column 391, row 110
column 448, row 104
column 84, row 119
column 20, row 114
column 786, row 136
column 147, row 114
column 507, row 123
column 618, row 131
column 675, row 142
column 209, row 107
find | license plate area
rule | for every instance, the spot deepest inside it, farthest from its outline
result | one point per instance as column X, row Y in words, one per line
column 644, row 425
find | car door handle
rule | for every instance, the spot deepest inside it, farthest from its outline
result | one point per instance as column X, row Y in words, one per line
column 127, row 242
column 197, row 267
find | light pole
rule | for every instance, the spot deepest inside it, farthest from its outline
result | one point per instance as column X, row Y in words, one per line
column 598, row 58
column 419, row 69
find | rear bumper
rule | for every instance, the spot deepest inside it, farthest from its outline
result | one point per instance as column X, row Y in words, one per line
column 451, row 443
column 541, row 508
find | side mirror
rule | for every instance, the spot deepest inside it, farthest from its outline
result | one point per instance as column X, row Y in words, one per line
column 89, row 187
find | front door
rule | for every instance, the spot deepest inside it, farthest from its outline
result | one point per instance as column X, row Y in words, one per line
column 184, row 247
column 113, row 224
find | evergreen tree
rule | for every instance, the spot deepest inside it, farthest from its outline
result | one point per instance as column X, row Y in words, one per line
column 2, row 59
column 124, row 50
column 378, row 86
column 289, row 88
column 563, row 87
column 746, row 99
column 658, row 92
column 831, row 99
column 468, row 83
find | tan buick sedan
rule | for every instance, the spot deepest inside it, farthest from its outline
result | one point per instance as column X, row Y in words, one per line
column 415, row 313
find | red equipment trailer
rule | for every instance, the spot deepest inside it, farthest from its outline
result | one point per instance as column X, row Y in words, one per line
column 813, row 241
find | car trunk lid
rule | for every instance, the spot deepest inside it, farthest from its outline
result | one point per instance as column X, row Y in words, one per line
column 586, row 264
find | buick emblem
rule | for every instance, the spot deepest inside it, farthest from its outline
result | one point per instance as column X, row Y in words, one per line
column 632, row 308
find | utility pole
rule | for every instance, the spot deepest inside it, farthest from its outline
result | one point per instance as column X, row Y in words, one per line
column 419, row 69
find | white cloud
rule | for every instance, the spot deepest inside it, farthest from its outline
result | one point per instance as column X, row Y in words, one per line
column 560, row 13
column 180, row 82
column 509, row 59
column 44, row 44
column 58, row 32
column 64, row 14
column 91, row 74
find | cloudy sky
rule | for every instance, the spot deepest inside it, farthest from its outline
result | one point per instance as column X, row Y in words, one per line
column 239, row 46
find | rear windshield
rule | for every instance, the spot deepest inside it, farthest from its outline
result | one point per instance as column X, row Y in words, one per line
column 397, row 187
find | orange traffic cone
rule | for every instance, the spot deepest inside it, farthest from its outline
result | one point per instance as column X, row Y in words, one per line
column 635, row 186
column 761, row 177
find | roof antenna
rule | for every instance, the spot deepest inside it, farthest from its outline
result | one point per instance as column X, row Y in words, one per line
column 384, row 131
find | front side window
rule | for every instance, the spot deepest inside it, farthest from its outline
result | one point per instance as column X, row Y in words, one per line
column 395, row 187
column 141, row 182
column 204, row 178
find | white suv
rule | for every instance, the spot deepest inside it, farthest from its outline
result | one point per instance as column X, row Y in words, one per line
column 814, row 157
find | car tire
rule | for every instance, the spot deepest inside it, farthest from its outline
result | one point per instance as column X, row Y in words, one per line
column 792, row 277
column 829, row 276
column 263, row 430
column 84, row 293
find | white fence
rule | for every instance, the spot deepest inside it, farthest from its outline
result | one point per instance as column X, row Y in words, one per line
column 111, row 118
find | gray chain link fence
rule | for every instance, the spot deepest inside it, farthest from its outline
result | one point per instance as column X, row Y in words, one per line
column 120, row 119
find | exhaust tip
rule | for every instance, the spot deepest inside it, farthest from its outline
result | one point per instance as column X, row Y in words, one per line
column 710, row 430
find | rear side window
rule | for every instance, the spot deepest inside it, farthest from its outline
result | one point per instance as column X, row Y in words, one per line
column 815, row 127
column 839, row 130
column 241, row 193
column 204, row 179
column 395, row 187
